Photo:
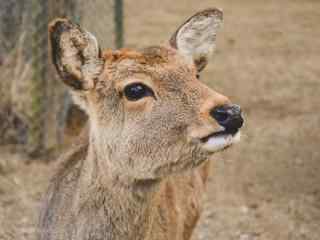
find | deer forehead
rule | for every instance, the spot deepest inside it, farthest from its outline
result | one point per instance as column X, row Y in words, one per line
column 150, row 55
column 156, row 66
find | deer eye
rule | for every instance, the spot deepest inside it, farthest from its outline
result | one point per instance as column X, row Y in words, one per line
column 136, row 91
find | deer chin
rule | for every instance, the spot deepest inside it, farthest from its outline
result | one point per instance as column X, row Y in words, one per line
column 219, row 140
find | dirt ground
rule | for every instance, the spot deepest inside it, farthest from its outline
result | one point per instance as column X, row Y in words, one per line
column 267, row 60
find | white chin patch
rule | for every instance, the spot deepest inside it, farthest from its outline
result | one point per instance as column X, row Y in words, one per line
column 220, row 142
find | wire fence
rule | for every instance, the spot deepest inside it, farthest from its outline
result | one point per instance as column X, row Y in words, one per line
column 36, row 110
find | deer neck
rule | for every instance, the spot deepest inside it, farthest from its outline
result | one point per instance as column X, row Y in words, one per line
column 126, row 206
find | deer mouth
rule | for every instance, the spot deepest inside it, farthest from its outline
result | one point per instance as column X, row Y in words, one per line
column 220, row 140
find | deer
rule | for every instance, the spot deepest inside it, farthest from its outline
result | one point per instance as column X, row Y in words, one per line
column 140, row 168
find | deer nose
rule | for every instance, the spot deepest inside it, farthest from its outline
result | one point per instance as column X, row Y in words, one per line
column 228, row 116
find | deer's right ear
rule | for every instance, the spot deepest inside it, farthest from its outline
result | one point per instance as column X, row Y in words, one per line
column 75, row 54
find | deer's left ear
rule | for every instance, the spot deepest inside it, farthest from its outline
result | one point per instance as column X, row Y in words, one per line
column 195, row 39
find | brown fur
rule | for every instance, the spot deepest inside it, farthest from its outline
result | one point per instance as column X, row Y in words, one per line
column 139, row 170
column 151, row 55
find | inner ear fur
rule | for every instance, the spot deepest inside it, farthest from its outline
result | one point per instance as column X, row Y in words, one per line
column 75, row 54
column 195, row 38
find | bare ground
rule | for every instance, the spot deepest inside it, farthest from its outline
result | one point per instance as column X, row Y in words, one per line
column 267, row 187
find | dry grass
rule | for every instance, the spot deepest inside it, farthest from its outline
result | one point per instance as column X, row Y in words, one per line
column 267, row 61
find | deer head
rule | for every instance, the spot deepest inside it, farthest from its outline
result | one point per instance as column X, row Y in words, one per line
column 149, row 114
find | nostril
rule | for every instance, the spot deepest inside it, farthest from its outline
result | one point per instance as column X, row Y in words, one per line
column 220, row 114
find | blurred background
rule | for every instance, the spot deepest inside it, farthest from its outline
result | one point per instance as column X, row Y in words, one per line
column 267, row 60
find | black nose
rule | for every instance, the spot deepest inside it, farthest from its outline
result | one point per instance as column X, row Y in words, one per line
column 228, row 116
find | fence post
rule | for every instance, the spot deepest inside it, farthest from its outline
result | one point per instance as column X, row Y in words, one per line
column 118, row 19
column 36, row 136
